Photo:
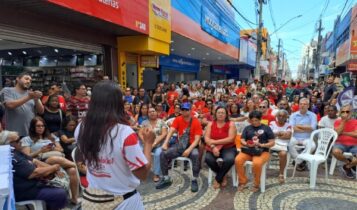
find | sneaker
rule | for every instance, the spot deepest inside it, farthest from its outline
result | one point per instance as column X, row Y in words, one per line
column 347, row 172
column 194, row 186
column 164, row 182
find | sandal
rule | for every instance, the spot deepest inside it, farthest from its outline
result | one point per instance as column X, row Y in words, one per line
column 281, row 179
column 241, row 187
column 216, row 185
column 255, row 189
column 224, row 181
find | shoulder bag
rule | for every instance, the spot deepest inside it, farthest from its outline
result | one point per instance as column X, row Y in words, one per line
column 183, row 141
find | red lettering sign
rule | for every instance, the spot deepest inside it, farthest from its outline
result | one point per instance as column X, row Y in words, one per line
column 132, row 14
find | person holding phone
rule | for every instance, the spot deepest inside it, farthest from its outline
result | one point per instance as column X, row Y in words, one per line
column 346, row 128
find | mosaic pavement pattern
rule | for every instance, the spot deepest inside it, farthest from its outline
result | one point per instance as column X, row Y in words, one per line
column 338, row 193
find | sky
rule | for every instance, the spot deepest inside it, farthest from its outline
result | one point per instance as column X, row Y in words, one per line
column 303, row 28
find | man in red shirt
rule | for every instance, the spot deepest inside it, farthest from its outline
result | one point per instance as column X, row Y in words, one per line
column 179, row 125
column 78, row 104
column 172, row 94
column 346, row 127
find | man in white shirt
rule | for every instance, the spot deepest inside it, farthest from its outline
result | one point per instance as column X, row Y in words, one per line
column 328, row 121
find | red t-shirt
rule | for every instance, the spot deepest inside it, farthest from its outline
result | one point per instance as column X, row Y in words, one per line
column 266, row 119
column 199, row 105
column 171, row 96
column 350, row 126
column 295, row 107
column 180, row 125
column 78, row 106
column 220, row 133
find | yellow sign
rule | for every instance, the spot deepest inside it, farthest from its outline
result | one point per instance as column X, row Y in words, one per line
column 160, row 20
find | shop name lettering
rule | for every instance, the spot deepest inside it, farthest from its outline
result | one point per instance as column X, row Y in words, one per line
column 112, row 3
column 216, row 26
column 160, row 12
column 182, row 62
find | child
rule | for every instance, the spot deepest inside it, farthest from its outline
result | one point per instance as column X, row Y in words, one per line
column 67, row 137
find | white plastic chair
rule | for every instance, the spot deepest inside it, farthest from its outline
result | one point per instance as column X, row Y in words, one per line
column 183, row 159
column 37, row 204
column 73, row 154
column 324, row 145
column 234, row 176
column 3, row 199
column 334, row 162
column 248, row 168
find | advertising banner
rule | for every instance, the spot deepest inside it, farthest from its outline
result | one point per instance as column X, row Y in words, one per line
column 352, row 66
column 353, row 35
column 131, row 14
column 214, row 24
column 180, row 63
column 149, row 61
column 160, row 20
column 343, row 53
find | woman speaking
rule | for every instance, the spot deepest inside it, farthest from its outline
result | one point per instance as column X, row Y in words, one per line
column 110, row 148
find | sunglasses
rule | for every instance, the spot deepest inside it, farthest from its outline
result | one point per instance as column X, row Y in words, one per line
column 184, row 109
column 263, row 107
column 347, row 112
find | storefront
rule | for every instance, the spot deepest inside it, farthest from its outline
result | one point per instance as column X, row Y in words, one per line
column 219, row 73
column 175, row 68
column 66, row 41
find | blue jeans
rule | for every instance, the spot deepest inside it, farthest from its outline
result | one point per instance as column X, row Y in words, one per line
column 156, row 161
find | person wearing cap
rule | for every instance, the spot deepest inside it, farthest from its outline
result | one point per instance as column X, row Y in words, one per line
column 27, row 175
column 179, row 125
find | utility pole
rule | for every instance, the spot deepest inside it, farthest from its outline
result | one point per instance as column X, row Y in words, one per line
column 278, row 60
column 283, row 66
column 259, row 41
column 318, row 50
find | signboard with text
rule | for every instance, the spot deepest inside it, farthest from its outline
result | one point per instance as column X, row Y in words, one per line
column 160, row 20
column 149, row 61
column 132, row 14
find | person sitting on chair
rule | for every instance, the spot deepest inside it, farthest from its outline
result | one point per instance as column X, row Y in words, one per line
column 29, row 172
column 260, row 137
column 303, row 123
column 346, row 128
column 179, row 125
column 221, row 149
column 282, row 132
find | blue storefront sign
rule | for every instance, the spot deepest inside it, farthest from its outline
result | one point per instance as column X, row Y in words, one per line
column 179, row 63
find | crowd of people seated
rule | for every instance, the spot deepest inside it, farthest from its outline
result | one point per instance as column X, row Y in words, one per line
column 218, row 121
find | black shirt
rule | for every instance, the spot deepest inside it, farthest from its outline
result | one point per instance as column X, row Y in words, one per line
column 328, row 92
column 263, row 132
column 54, row 121
column 24, row 188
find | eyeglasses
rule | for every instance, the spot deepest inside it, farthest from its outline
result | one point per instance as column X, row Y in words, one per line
column 263, row 107
column 283, row 104
column 347, row 112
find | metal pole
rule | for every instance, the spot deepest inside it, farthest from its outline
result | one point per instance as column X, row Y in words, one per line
column 259, row 42
column 318, row 49
column 278, row 60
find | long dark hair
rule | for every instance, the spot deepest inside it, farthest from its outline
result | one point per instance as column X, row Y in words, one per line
column 32, row 130
column 106, row 110
column 225, row 109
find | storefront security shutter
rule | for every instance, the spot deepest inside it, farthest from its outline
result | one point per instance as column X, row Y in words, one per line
column 28, row 37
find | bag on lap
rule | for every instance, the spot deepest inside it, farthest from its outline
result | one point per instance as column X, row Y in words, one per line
column 183, row 141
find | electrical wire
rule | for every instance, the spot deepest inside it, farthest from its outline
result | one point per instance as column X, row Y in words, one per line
column 240, row 14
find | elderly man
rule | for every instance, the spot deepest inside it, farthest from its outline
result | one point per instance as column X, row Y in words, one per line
column 303, row 123
column 346, row 127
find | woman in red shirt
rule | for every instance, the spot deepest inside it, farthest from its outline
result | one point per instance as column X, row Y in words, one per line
column 221, row 150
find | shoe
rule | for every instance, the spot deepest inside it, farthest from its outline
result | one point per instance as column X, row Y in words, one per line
column 156, row 178
column 301, row 166
column 347, row 172
column 194, row 186
column 255, row 189
column 241, row 187
column 216, row 185
column 224, row 181
column 164, row 182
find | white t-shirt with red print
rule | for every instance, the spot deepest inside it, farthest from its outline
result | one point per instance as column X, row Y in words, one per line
column 276, row 128
column 114, row 173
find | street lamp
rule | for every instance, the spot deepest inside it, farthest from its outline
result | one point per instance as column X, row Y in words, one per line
column 299, row 16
